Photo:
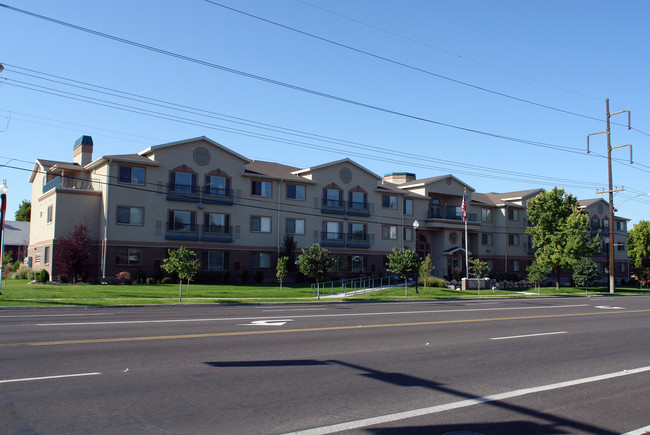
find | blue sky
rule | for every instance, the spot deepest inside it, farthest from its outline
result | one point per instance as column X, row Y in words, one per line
column 429, row 87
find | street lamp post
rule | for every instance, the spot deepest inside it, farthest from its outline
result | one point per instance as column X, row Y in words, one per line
column 3, row 210
column 416, row 225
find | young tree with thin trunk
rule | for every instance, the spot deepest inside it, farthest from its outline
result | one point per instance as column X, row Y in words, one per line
column 426, row 266
column 403, row 262
column 315, row 263
column 184, row 263
column 282, row 269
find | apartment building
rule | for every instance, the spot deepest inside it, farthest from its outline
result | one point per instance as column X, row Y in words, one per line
column 235, row 212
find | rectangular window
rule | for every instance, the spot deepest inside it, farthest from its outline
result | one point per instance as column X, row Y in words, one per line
column 131, row 175
column 389, row 232
column 295, row 226
column 333, row 230
column 408, row 207
column 182, row 182
column 182, row 221
column 217, row 185
column 130, row 215
column 260, row 224
column 486, row 215
column 357, row 231
column 358, row 200
column 389, row 201
column 513, row 239
column 513, row 214
column 487, row 239
column 408, row 234
column 620, row 225
column 216, row 223
column 50, row 213
column 296, row 191
column 46, row 255
column 620, row 246
column 333, row 197
column 215, row 260
column 128, row 256
column 261, row 260
column 261, row 188
column 515, row 265
column 621, row 267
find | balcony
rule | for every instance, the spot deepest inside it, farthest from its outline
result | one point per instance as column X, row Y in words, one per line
column 68, row 183
column 357, row 240
column 334, row 206
column 182, row 192
column 213, row 195
column 451, row 215
column 216, row 233
column 332, row 239
column 181, row 231
column 358, row 209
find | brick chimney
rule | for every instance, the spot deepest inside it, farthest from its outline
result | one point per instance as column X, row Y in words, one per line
column 83, row 151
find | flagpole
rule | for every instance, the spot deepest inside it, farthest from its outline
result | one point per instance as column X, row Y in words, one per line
column 465, row 219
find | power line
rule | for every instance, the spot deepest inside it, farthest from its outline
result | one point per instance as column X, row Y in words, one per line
column 277, row 82
column 395, row 62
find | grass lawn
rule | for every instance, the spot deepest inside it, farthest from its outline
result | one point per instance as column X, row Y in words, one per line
column 21, row 293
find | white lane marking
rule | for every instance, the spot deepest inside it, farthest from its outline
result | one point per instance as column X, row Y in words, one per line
column 295, row 309
column 607, row 307
column 639, row 431
column 42, row 378
column 356, row 424
column 267, row 322
column 529, row 335
column 217, row 319
column 59, row 315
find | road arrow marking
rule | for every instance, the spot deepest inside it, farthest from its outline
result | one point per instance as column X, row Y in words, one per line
column 267, row 322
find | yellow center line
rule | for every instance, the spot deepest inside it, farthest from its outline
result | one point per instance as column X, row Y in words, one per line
column 328, row 328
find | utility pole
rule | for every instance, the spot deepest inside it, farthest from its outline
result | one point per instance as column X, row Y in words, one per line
column 611, row 190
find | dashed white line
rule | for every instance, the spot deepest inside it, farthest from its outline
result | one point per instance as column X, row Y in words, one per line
column 42, row 378
column 528, row 335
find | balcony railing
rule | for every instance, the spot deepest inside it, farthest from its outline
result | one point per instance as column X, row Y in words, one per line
column 332, row 239
column 182, row 192
column 350, row 240
column 213, row 195
column 335, row 206
column 357, row 240
column 358, row 208
column 68, row 183
column 216, row 233
column 181, row 231
column 451, row 215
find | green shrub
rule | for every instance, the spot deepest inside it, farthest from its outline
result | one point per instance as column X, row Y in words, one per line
column 432, row 281
column 166, row 280
column 140, row 277
column 245, row 276
column 259, row 276
column 159, row 274
column 63, row 279
column 151, row 281
column 44, row 276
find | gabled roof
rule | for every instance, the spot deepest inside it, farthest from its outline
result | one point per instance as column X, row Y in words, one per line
column 16, row 233
column 431, row 180
column 273, row 170
column 125, row 158
column 338, row 162
column 187, row 141
column 52, row 166
column 520, row 194
column 392, row 187
column 584, row 203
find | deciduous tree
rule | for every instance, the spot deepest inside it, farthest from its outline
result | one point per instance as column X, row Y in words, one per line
column 71, row 253
column 585, row 273
column 282, row 269
column 478, row 269
column 426, row 266
column 638, row 248
column 24, row 212
column 537, row 274
column 403, row 262
column 560, row 231
column 184, row 263
column 315, row 263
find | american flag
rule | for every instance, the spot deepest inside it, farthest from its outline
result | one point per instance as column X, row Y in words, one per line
column 464, row 208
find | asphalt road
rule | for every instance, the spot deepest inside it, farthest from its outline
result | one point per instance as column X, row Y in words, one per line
column 545, row 366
